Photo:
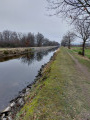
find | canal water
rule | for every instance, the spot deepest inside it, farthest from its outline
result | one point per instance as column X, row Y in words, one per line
column 17, row 73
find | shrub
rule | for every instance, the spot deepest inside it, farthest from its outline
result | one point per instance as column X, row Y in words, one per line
column 80, row 53
column 29, row 49
column 26, row 50
column 6, row 52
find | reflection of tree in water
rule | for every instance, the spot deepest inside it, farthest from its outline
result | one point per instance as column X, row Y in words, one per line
column 46, row 53
column 8, row 58
column 40, row 55
column 28, row 58
column 53, row 49
column 37, row 56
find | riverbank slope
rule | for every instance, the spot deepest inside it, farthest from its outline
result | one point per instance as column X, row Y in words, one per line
column 10, row 52
column 62, row 93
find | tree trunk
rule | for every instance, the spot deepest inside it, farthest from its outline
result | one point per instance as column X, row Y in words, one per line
column 83, row 49
column 69, row 45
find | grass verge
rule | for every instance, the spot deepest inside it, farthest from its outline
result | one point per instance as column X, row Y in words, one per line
column 79, row 49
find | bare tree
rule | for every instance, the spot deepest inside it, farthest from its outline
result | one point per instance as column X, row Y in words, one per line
column 31, row 39
column 14, row 39
column 1, row 39
column 68, row 39
column 39, row 38
column 64, row 41
column 6, row 35
column 71, row 8
column 83, row 32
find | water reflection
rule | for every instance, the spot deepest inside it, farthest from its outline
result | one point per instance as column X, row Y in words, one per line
column 29, row 58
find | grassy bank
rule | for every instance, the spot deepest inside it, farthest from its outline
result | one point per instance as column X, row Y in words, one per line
column 79, row 49
column 61, row 94
column 10, row 52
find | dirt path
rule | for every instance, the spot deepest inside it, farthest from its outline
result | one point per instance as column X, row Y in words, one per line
column 85, row 78
column 81, row 68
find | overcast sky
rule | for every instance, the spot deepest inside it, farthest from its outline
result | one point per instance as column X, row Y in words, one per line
column 31, row 16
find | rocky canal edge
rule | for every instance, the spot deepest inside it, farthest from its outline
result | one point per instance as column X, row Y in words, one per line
column 16, row 104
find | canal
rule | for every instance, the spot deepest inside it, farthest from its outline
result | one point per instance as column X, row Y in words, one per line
column 17, row 73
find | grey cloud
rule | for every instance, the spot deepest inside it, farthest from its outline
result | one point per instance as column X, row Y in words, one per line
column 30, row 16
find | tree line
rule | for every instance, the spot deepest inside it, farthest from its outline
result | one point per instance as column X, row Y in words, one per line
column 78, row 13
column 14, row 39
column 82, row 31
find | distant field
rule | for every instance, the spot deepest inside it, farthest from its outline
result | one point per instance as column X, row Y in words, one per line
column 77, row 49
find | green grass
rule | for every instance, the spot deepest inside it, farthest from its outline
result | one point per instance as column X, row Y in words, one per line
column 79, row 49
column 59, row 94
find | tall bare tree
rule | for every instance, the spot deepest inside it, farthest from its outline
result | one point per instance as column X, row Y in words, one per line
column 83, row 32
column 31, row 39
column 71, row 8
column 39, row 38
column 64, row 41
column 68, row 39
